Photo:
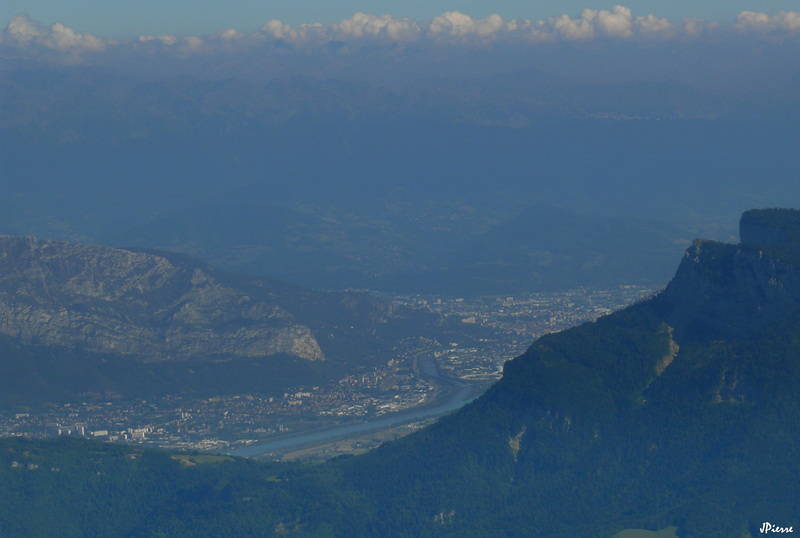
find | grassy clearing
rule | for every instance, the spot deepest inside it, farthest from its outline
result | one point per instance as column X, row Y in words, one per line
column 199, row 459
column 669, row 532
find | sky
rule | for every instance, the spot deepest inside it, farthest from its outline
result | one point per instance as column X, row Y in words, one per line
column 127, row 19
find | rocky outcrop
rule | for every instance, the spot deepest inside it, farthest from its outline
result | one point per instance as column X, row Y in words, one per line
column 731, row 291
column 769, row 227
column 136, row 303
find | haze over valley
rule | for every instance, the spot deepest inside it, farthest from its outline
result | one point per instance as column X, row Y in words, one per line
column 455, row 258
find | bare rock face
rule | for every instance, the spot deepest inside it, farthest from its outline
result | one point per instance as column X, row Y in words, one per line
column 135, row 303
column 731, row 291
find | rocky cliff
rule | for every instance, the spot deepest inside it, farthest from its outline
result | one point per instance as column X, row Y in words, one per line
column 723, row 291
column 770, row 227
column 134, row 303
column 680, row 410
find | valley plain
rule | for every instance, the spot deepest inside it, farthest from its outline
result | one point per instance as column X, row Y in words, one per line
column 491, row 330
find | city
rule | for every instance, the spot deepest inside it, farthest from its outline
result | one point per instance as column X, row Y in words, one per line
column 415, row 376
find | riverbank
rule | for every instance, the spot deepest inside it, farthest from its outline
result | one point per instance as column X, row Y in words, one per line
column 454, row 394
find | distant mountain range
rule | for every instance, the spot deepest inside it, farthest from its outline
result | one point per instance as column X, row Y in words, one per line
column 156, row 106
column 451, row 250
column 682, row 410
column 82, row 319
column 337, row 183
column 550, row 248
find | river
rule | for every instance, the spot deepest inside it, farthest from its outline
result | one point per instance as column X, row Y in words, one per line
column 464, row 393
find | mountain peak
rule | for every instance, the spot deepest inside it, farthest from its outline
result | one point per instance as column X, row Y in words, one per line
column 724, row 291
column 770, row 226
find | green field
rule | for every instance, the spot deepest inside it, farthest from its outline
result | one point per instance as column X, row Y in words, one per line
column 199, row 459
column 669, row 532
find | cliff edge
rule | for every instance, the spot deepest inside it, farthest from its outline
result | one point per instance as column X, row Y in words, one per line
column 723, row 291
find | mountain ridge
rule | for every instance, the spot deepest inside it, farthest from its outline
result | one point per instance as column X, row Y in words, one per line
column 85, row 319
column 649, row 417
column 61, row 294
column 732, row 291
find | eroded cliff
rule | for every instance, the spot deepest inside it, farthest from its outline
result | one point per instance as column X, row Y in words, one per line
column 723, row 291
column 134, row 303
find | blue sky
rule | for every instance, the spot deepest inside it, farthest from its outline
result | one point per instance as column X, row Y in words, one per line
column 127, row 19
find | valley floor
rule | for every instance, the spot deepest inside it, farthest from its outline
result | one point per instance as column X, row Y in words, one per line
column 421, row 374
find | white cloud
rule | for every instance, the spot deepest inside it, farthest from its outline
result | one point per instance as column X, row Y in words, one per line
column 180, row 46
column 276, row 29
column 789, row 21
column 571, row 29
column 453, row 27
column 652, row 25
column 385, row 27
column 761, row 23
column 305, row 34
column 750, row 21
column 694, row 27
column 457, row 27
column 230, row 35
column 457, row 24
column 618, row 23
column 192, row 44
column 167, row 40
column 23, row 32
column 615, row 23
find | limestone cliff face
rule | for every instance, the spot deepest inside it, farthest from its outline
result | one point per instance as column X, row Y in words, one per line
column 730, row 291
column 134, row 303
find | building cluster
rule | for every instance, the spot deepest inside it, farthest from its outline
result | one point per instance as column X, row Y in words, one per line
column 491, row 331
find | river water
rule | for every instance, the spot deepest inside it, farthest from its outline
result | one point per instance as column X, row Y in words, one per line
column 464, row 394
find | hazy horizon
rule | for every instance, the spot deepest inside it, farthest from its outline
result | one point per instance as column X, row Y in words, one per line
column 383, row 151
column 128, row 20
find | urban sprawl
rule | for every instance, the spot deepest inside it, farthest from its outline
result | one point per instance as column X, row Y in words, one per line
column 507, row 326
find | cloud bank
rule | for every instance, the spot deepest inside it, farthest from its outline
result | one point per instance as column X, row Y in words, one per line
column 455, row 27
column 761, row 23
column 22, row 34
